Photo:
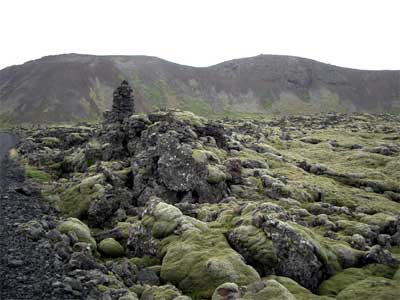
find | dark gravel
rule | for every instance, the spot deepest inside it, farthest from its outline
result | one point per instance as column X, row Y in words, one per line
column 29, row 267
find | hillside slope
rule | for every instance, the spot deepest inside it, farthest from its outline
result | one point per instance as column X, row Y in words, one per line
column 79, row 87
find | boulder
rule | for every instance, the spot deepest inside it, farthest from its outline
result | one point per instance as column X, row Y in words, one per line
column 202, row 260
column 272, row 290
column 79, row 228
column 225, row 291
column 298, row 258
column 164, row 292
column 111, row 248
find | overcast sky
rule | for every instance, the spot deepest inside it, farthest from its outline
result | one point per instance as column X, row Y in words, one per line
column 359, row 34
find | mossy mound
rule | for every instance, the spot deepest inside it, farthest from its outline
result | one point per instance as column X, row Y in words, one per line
column 371, row 288
column 164, row 292
column 339, row 282
column 81, row 230
column 215, row 175
column 272, row 290
column 199, row 261
column 76, row 199
column 111, row 248
column 257, row 249
column 296, row 289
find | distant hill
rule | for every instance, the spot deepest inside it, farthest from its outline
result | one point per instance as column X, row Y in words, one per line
column 74, row 87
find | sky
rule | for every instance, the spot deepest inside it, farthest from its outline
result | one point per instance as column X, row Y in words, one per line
column 350, row 33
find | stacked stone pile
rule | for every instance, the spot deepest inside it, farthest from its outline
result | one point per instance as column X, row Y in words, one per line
column 123, row 104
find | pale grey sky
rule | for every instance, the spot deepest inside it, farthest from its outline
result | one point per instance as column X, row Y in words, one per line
column 351, row 33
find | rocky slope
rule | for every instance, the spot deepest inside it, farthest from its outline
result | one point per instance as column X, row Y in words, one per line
column 169, row 205
column 75, row 87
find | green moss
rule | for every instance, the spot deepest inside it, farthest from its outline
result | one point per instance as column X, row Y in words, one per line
column 334, row 285
column 273, row 290
column 371, row 288
column 37, row 175
column 397, row 275
column 129, row 296
column 204, row 156
column 199, row 261
column 102, row 288
column 189, row 117
column 164, row 292
column 267, row 104
column 352, row 227
column 215, row 175
column 230, row 113
column 200, row 156
column 257, row 245
column 80, row 229
column 75, row 200
column 111, row 248
column 145, row 261
column 124, row 228
column 198, row 106
column 382, row 220
column 296, row 289
column 162, row 229
column 50, row 141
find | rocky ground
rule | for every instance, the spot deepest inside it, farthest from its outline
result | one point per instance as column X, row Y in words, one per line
column 173, row 206
column 29, row 267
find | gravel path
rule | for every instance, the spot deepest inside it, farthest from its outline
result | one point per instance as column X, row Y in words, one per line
column 29, row 268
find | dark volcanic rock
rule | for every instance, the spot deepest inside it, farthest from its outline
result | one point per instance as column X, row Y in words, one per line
column 29, row 266
column 123, row 104
column 298, row 258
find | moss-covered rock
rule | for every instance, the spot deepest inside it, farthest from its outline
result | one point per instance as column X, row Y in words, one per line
column 256, row 248
column 199, row 261
column 76, row 199
column 272, row 290
column 51, row 141
column 383, row 220
column 215, row 174
column 334, row 285
column 145, row 261
column 166, row 212
column 124, row 228
column 163, row 229
column 227, row 290
column 204, row 156
column 81, row 230
column 296, row 289
column 111, row 248
column 397, row 275
column 129, row 296
column 371, row 288
column 164, row 292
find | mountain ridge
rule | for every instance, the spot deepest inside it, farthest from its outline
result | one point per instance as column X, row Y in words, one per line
column 72, row 87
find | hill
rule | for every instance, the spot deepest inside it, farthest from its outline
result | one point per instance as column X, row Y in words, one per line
column 74, row 87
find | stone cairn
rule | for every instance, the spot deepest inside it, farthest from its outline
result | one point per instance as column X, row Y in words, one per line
column 123, row 104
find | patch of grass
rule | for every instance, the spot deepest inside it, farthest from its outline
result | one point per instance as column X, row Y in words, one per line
column 267, row 104
column 37, row 175
column 197, row 106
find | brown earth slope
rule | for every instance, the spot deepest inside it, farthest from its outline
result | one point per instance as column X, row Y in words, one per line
column 73, row 87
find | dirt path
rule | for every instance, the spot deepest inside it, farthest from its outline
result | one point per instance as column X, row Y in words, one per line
column 29, row 268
